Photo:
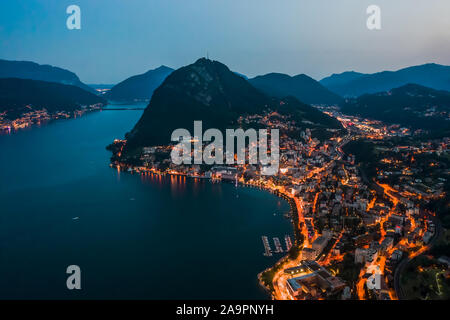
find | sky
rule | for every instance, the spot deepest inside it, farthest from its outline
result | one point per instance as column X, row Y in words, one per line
column 121, row 38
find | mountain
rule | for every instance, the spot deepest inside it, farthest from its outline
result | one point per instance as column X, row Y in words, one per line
column 207, row 90
column 140, row 87
column 351, row 84
column 34, row 71
column 341, row 78
column 241, row 75
column 16, row 95
column 301, row 86
column 410, row 105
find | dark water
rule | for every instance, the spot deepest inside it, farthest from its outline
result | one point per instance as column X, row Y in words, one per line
column 135, row 238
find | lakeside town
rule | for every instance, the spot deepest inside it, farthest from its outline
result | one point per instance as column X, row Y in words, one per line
column 29, row 116
column 358, row 225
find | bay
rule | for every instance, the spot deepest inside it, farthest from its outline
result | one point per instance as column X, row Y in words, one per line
column 134, row 237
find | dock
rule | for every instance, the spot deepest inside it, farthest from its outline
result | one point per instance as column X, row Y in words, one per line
column 278, row 248
column 267, row 249
column 288, row 242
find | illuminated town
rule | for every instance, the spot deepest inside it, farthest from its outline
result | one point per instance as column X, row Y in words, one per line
column 11, row 122
column 353, row 234
column 225, row 159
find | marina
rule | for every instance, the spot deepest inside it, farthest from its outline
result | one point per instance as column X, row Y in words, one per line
column 267, row 249
column 277, row 243
column 278, row 248
column 288, row 242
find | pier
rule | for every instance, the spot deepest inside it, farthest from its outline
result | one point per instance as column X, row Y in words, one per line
column 278, row 248
column 288, row 242
column 267, row 249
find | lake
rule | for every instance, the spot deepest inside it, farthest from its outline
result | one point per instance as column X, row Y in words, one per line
column 134, row 237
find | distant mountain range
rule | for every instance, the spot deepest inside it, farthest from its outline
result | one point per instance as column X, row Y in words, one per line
column 353, row 84
column 16, row 95
column 140, row 87
column 411, row 105
column 34, row 71
column 301, row 86
column 207, row 90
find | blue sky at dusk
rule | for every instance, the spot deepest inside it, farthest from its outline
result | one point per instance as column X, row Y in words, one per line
column 120, row 38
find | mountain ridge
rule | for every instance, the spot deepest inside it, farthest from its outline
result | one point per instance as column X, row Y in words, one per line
column 301, row 86
column 207, row 90
column 410, row 105
column 17, row 94
column 351, row 84
column 43, row 72
column 139, row 87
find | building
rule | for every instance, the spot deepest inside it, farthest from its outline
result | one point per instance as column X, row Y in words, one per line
column 317, row 283
column 298, row 286
column 319, row 244
column 360, row 255
column 296, row 270
column 387, row 244
column 371, row 256
column 309, row 254
column 268, row 170
column 363, row 239
column 226, row 173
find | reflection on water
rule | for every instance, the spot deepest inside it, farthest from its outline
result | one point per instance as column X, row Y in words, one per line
column 141, row 237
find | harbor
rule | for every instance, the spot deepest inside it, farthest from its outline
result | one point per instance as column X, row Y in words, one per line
column 268, row 252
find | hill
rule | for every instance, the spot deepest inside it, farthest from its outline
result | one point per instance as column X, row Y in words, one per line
column 352, row 84
column 207, row 90
column 140, row 87
column 34, row 71
column 410, row 105
column 335, row 80
column 301, row 86
column 17, row 94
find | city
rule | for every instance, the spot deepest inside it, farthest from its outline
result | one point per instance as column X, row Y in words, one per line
column 225, row 159
column 353, row 235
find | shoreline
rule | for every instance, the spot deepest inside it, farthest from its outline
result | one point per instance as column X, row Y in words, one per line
column 289, row 200
column 27, row 124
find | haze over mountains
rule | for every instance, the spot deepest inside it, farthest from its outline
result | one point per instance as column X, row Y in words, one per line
column 300, row 86
column 207, row 90
column 19, row 95
column 34, row 71
column 411, row 105
column 353, row 84
column 139, row 87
